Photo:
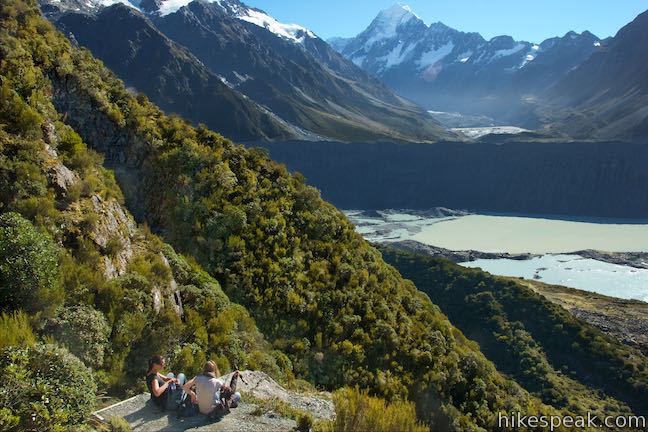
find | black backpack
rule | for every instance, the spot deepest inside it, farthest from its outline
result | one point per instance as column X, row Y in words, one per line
column 185, row 407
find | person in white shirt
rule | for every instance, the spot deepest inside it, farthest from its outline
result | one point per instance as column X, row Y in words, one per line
column 205, row 389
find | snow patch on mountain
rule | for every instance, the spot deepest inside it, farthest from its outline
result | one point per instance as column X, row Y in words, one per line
column 294, row 32
column 530, row 56
column 507, row 52
column 236, row 9
column 429, row 58
column 91, row 5
column 390, row 19
column 169, row 6
column 397, row 55
column 464, row 56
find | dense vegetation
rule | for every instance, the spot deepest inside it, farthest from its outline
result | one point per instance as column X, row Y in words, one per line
column 44, row 388
column 542, row 346
column 76, row 271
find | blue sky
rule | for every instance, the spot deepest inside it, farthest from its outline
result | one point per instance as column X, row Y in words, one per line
column 528, row 20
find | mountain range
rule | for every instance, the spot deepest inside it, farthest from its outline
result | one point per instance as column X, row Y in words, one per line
column 240, row 71
column 576, row 85
column 445, row 69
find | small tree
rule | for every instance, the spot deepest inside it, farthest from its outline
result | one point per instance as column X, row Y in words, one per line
column 83, row 330
column 15, row 330
column 29, row 277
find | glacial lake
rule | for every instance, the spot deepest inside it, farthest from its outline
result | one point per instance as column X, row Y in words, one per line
column 524, row 234
column 554, row 240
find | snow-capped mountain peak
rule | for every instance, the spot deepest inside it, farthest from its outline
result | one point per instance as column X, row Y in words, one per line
column 446, row 69
column 389, row 20
column 234, row 8
column 398, row 39
column 396, row 14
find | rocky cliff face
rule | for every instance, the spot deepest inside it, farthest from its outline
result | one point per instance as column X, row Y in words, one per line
column 115, row 230
column 111, row 228
column 122, row 151
column 103, row 220
column 584, row 179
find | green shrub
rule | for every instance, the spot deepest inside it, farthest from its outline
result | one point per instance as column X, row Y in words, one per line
column 29, row 277
column 15, row 330
column 189, row 360
column 114, row 246
column 83, row 330
column 161, row 335
column 44, row 388
column 8, row 421
column 355, row 410
column 22, row 119
column 305, row 423
column 70, row 142
column 118, row 424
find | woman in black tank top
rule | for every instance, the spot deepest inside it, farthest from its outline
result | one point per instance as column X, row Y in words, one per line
column 159, row 384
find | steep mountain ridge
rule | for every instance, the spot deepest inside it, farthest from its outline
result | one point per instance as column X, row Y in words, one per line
column 167, row 73
column 607, row 95
column 328, row 98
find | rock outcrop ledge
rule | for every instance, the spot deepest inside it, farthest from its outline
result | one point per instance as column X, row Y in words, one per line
column 249, row 416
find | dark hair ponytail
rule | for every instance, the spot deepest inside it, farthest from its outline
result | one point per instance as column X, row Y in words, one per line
column 156, row 359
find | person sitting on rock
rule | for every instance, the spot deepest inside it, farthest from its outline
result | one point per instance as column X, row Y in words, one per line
column 162, row 386
column 207, row 390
